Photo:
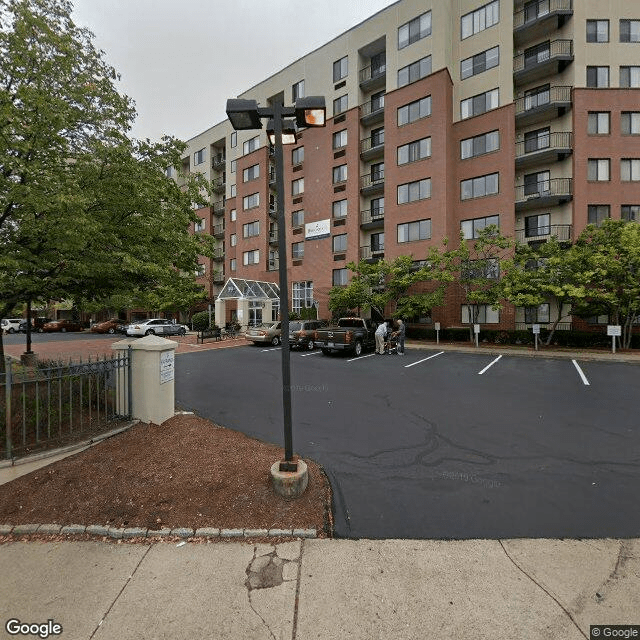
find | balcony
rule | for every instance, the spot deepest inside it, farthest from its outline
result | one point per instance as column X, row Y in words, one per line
column 218, row 185
column 542, row 61
column 540, row 18
column 372, row 183
column 272, row 177
column 218, row 208
column 372, row 112
column 217, row 277
column 372, row 254
column 218, row 231
column 373, row 77
column 273, row 209
column 218, row 161
column 551, row 147
column 562, row 232
column 273, row 236
column 273, row 264
column 371, row 148
column 372, row 218
column 218, row 254
column 546, row 193
column 543, row 105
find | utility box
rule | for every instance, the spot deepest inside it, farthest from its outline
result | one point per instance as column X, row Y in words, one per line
column 152, row 377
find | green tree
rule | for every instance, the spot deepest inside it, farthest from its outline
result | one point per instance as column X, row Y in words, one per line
column 85, row 211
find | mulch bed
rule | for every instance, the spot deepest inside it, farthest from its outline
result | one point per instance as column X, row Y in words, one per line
column 187, row 472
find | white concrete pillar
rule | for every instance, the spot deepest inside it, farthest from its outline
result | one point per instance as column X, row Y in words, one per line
column 243, row 313
column 267, row 309
column 152, row 377
column 220, row 310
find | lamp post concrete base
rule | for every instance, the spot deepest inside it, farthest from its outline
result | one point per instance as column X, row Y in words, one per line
column 290, row 484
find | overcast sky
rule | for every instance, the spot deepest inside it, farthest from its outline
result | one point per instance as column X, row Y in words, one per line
column 181, row 59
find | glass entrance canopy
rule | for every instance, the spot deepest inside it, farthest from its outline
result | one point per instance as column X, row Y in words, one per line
column 240, row 289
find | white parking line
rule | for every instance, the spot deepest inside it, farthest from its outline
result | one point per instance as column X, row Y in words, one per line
column 361, row 357
column 406, row 366
column 276, row 349
column 489, row 365
column 313, row 353
column 584, row 378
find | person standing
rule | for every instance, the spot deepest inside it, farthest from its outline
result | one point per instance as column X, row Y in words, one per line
column 400, row 334
column 381, row 334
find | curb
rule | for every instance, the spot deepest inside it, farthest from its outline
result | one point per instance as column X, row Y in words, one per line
column 138, row 532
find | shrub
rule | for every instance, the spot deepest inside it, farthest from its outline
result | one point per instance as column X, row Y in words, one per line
column 200, row 321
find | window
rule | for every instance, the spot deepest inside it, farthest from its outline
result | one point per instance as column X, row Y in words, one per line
column 250, row 145
column 234, row 139
column 297, row 156
column 471, row 228
column 537, row 315
column 200, row 225
column 340, row 104
column 340, row 139
column 479, row 187
column 597, row 77
column 233, row 264
column 339, row 243
column 630, row 123
column 297, row 250
column 251, row 257
column 414, row 151
column 414, row 30
column 535, row 226
column 377, row 242
column 198, row 157
column 249, row 202
column 480, row 19
column 630, row 77
column 297, row 90
column 479, row 104
column 412, row 231
column 339, row 209
column 598, row 169
column 234, row 215
column 598, row 123
column 537, row 97
column 302, row 295
column 537, row 183
column 597, row 31
column 233, row 239
column 536, row 140
column 378, row 64
column 232, row 166
column 481, row 269
column 251, row 173
column 297, row 218
column 251, row 229
column 377, row 137
column 629, row 30
column 630, row 169
column 596, row 213
column 414, row 71
column 297, row 186
column 481, row 313
column 377, row 172
column 340, row 69
column 630, row 212
column 480, row 63
column 340, row 174
column 232, row 191
column 377, row 101
column 479, row 145
column 414, row 111
column 377, row 207
column 340, row 277
column 201, row 270
column 413, row 191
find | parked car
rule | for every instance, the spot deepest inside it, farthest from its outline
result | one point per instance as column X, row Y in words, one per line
column 266, row 333
column 36, row 324
column 156, row 326
column 62, row 325
column 108, row 326
column 10, row 325
column 301, row 333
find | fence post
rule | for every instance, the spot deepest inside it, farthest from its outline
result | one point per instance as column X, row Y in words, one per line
column 7, row 388
column 129, row 383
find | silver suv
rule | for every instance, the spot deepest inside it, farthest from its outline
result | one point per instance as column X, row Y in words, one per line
column 10, row 325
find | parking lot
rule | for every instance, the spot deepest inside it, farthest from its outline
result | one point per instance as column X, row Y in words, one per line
column 443, row 444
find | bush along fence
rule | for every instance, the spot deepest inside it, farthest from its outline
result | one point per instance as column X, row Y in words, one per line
column 57, row 403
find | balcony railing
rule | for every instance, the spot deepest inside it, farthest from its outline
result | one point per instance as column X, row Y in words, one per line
column 535, row 107
column 218, row 231
column 273, row 236
column 544, row 193
column 372, row 76
column 370, row 147
column 218, row 253
column 371, row 253
column 218, row 185
column 544, row 148
column 536, row 12
column 563, row 233
column 273, row 264
column 218, row 161
column 373, row 180
column 373, row 217
column 372, row 111
column 543, row 60
column 218, row 208
column 218, row 277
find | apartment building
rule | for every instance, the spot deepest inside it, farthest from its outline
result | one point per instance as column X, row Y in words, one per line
column 442, row 116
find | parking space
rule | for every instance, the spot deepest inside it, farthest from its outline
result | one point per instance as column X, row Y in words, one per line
column 444, row 444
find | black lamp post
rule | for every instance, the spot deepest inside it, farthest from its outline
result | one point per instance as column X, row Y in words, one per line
column 308, row 112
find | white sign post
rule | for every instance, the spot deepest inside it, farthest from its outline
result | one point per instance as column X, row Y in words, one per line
column 476, row 332
column 614, row 330
column 536, row 333
column 437, row 326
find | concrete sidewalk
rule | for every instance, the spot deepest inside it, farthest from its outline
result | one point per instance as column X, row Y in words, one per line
column 498, row 590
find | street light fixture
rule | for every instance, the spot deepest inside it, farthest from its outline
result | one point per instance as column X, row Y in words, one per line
column 308, row 112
